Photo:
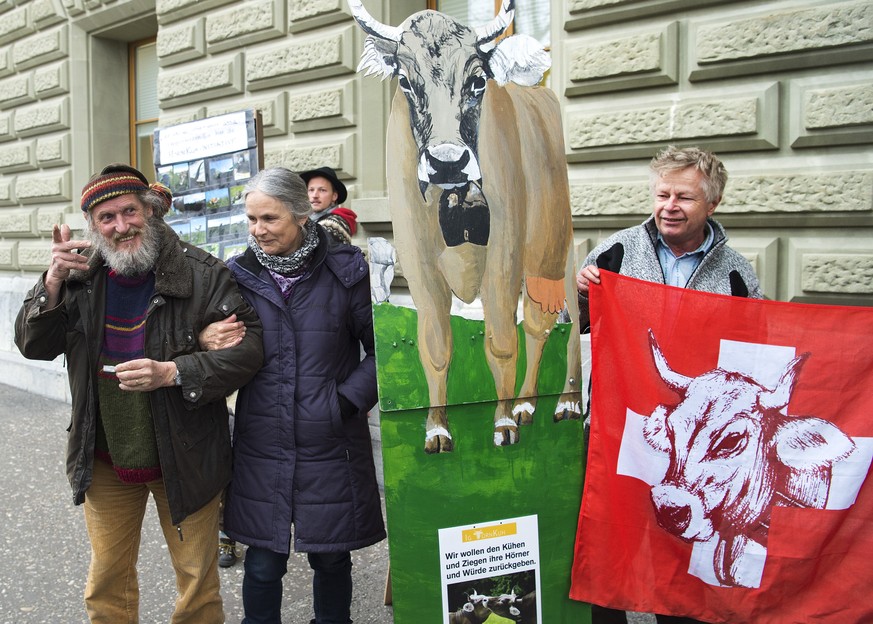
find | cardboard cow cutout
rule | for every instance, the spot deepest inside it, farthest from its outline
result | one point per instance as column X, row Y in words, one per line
column 479, row 200
column 483, row 518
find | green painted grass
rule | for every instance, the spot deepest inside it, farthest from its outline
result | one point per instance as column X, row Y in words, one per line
column 402, row 383
column 477, row 482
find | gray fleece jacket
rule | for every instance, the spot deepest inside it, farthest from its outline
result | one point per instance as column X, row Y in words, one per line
column 632, row 252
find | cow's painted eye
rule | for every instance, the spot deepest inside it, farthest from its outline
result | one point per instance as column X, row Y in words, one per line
column 476, row 85
column 731, row 444
column 404, row 84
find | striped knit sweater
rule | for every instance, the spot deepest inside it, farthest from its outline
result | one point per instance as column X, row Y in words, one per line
column 126, row 431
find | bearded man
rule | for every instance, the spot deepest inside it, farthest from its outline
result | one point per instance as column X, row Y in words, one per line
column 125, row 304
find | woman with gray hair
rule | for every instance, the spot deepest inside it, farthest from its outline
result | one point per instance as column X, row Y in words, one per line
column 302, row 454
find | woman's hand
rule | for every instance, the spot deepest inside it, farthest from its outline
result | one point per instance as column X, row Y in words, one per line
column 222, row 334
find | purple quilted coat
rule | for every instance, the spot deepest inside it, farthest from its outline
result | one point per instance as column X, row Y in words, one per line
column 302, row 454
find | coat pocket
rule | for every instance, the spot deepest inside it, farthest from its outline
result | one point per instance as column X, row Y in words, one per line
column 336, row 418
column 229, row 304
column 180, row 342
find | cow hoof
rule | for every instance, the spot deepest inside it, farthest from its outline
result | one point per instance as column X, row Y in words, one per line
column 523, row 413
column 505, row 432
column 567, row 410
column 438, row 440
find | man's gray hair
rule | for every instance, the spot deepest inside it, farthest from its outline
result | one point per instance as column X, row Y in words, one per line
column 160, row 204
column 674, row 158
column 286, row 186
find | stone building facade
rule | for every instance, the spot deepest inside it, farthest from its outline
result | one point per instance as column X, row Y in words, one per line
column 782, row 90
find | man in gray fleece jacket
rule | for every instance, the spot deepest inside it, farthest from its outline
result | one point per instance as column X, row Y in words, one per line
column 680, row 245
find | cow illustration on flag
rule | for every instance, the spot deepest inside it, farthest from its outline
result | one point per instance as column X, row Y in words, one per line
column 731, row 442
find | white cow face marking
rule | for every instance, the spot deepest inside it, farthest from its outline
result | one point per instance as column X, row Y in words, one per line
column 734, row 453
column 443, row 68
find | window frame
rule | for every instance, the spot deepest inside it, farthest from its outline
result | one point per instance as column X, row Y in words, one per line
column 432, row 5
column 134, row 122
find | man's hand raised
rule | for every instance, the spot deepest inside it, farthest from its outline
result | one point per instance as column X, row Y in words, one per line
column 65, row 258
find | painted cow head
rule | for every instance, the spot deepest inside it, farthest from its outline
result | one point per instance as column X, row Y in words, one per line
column 734, row 452
column 443, row 68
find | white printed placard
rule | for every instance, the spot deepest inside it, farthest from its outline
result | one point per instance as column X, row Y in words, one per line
column 223, row 134
column 491, row 567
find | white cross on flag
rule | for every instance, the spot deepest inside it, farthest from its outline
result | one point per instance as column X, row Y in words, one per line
column 731, row 440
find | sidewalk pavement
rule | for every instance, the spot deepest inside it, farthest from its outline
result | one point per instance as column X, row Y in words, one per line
column 44, row 546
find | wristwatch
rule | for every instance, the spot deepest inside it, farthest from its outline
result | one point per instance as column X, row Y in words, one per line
column 177, row 380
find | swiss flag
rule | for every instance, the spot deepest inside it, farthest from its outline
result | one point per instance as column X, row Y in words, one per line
column 731, row 441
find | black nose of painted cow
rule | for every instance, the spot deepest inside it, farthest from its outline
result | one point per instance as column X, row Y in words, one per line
column 448, row 171
column 673, row 518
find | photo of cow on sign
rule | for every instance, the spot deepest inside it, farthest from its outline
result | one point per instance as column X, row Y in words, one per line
column 479, row 202
column 734, row 453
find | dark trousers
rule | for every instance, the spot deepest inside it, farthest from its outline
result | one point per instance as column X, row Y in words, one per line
column 604, row 615
column 331, row 587
column 262, row 586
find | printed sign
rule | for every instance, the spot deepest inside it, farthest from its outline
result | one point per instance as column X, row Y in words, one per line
column 206, row 164
column 203, row 138
column 491, row 566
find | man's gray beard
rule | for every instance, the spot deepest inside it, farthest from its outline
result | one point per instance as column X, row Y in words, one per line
column 130, row 263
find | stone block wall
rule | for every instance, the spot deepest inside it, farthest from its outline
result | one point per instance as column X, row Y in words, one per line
column 63, row 101
column 63, row 104
column 780, row 90
column 295, row 62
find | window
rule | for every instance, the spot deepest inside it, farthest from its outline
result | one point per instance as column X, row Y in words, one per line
column 144, row 109
column 531, row 16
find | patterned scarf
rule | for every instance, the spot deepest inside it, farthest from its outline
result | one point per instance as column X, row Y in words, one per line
column 288, row 265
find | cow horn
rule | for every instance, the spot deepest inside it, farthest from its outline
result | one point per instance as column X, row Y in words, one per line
column 780, row 395
column 372, row 26
column 495, row 28
column 673, row 379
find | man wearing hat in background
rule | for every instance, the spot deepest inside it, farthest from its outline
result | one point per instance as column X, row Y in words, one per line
column 326, row 193
column 125, row 305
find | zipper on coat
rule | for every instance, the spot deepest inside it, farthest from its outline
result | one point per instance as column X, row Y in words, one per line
column 179, row 529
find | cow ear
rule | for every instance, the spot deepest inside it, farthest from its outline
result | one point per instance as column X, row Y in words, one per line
column 379, row 57
column 655, row 430
column 806, row 443
column 514, row 611
column 520, row 59
column 468, row 607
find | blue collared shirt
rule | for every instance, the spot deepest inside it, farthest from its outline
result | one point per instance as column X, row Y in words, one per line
column 678, row 269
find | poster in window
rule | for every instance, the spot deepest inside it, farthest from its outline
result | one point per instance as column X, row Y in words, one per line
column 206, row 164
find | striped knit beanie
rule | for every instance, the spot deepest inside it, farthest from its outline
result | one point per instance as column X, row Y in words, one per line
column 338, row 228
column 119, row 179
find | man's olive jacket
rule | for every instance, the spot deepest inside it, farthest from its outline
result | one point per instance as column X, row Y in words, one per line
column 192, row 290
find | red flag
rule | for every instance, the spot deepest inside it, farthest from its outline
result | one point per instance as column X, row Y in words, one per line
column 731, row 442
